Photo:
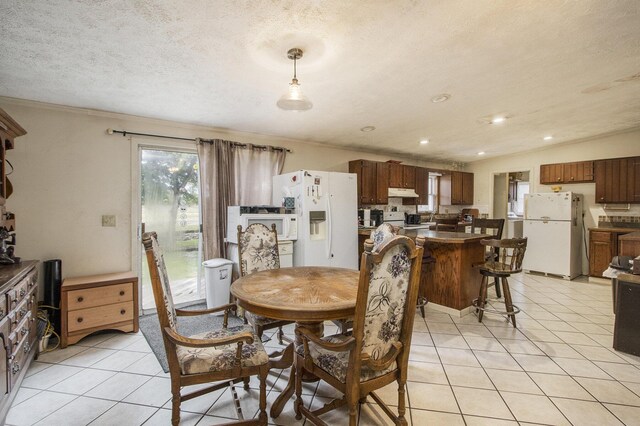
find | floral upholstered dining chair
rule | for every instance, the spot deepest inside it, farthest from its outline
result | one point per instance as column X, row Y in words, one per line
column 228, row 354
column 258, row 251
column 377, row 353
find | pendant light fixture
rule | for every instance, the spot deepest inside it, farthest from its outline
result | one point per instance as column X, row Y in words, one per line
column 294, row 100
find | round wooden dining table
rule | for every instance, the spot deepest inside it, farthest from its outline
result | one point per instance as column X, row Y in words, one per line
column 308, row 295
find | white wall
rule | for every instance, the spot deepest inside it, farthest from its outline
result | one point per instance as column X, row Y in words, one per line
column 69, row 172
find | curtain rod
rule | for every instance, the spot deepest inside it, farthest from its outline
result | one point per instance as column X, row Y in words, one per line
column 125, row 133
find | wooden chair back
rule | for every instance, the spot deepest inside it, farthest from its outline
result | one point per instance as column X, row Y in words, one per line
column 385, row 306
column 509, row 254
column 161, row 292
column 447, row 224
column 258, row 248
column 488, row 226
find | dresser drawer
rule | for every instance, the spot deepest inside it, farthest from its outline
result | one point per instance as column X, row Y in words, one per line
column 99, row 296
column 103, row 315
column 16, row 295
column 18, row 314
column 20, row 335
column 18, row 360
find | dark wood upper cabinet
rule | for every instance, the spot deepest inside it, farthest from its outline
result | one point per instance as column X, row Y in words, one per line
column 551, row 173
column 575, row 172
column 456, row 188
column 422, row 185
column 382, row 183
column 578, row 172
column 617, row 180
column 408, row 177
column 366, row 176
column 396, row 175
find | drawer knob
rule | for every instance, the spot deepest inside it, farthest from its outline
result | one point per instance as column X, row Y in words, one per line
column 24, row 331
column 80, row 299
column 121, row 292
column 15, row 368
column 123, row 311
column 79, row 319
column 22, row 292
column 26, row 347
column 23, row 312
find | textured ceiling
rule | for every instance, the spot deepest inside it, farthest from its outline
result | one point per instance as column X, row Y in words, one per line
column 567, row 68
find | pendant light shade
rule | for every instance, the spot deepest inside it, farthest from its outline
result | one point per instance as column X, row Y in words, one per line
column 294, row 99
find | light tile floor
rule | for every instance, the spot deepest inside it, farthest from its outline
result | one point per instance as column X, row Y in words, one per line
column 557, row 368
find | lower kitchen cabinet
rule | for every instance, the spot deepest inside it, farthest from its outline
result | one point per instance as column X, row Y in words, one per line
column 602, row 248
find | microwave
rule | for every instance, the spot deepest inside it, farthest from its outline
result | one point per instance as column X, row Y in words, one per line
column 286, row 224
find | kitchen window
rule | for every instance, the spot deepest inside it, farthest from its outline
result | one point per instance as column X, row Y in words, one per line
column 432, row 198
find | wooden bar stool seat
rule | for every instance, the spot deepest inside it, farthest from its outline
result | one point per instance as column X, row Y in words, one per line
column 507, row 260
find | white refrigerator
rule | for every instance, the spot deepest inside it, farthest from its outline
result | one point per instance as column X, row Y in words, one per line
column 553, row 226
column 327, row 210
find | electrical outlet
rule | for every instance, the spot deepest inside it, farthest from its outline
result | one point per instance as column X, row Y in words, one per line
column 109, row 220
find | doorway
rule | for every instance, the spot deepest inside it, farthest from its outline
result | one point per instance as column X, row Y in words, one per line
column 509, row 190
column 170, row 206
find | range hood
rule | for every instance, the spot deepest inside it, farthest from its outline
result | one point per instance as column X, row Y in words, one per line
column 402, row 193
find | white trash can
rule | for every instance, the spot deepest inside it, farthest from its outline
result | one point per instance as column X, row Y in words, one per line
column 217, row 279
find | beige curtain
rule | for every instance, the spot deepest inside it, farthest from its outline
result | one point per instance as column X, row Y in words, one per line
column 216, row 183
column 255, row 166
column 232, row 174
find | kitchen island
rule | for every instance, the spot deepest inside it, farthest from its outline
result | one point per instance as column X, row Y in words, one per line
column 448, row 274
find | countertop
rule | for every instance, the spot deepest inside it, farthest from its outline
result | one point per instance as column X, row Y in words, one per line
column 611, row 229
column 445, row 237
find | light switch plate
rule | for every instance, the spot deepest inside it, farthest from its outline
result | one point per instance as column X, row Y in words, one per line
column 109, row 220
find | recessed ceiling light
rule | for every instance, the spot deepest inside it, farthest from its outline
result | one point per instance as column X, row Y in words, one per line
column 440, row 98
column 498, row 120
column 368, row 129
column 481, row 153
column 548, row 138
column 424, row 141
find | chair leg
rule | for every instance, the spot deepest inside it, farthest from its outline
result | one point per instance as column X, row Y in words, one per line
column 507, row 300
column 175, row 403
column 298, row 403
column 353, row 413
column 280, row 335
column 496, row 283
column 401, row 404
column 482, row 297
column 246, row 383
column 264, row 372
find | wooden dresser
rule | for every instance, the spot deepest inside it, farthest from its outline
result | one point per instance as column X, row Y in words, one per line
column 98, row 302
column 18, row 323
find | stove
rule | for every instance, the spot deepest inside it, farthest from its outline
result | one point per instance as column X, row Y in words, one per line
column 394, row 218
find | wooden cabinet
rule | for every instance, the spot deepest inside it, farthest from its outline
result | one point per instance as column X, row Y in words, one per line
column 629, row 244
column 456, row 188
column 551, row 173
column 18, row 323
column 366, row 177
column 422, row 185
column 382, row 183
column 100, row 302
column 602, row 248
column 396, row 175
column 401, row 176
column 618, row 180
column 578, row 172
column 575, row 172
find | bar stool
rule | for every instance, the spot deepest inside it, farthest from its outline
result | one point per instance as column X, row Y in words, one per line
column 495, row 228
column 507, row 260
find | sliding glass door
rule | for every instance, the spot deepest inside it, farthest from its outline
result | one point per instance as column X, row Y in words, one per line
column 170, row 206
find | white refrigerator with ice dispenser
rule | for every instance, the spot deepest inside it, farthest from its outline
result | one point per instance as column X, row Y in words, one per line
column 327, row 210
column 553, row 226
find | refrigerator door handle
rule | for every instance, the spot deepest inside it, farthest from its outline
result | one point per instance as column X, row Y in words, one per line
column 328, row 246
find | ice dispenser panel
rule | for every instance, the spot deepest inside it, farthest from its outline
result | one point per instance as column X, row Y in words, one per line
column 317, row 225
